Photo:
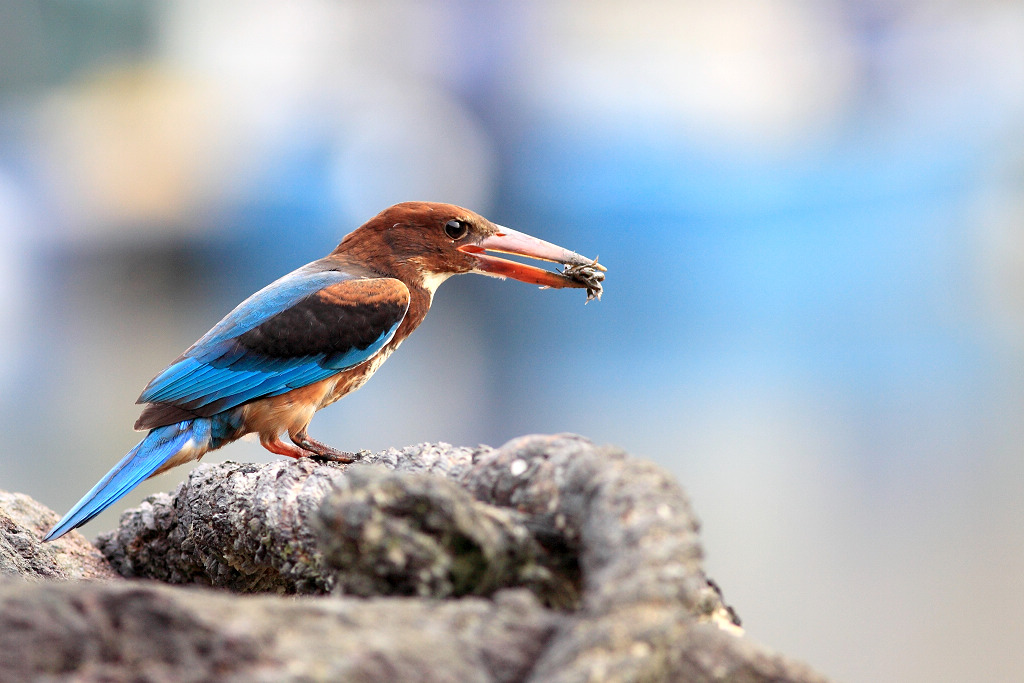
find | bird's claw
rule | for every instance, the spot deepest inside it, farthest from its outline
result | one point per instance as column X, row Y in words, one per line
column 337, row 456
column 320, row 451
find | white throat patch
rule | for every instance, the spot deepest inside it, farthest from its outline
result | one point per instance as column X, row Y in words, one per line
column 431, row 281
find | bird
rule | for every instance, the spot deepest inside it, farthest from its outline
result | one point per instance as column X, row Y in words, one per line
column 316, row 335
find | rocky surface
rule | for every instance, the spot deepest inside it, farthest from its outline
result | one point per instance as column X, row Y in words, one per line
column 250, row 528
column 549, row 559
column 23, row 522
column 129, row 631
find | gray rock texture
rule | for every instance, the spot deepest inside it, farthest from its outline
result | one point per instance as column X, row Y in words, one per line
column 142, row 631
column 549, row 559
column 23, row 522
column 250, row 528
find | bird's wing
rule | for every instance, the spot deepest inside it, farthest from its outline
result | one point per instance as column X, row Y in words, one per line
column 301, row 329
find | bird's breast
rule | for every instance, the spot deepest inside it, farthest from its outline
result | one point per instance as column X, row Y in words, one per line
column 348, row 381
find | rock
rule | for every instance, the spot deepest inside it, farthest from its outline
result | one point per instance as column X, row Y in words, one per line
column 129, row 631
column 243, row 527
column 549, row 559
column 402, row 533
column 645, row 595
column 247, row 527
column 23, row 522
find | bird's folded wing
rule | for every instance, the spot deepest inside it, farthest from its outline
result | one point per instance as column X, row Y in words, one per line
column 297, row 331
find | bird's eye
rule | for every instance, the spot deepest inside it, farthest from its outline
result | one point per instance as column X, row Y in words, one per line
column 456, row 229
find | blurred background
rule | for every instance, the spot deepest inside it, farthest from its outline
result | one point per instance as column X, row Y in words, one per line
column 813, row 219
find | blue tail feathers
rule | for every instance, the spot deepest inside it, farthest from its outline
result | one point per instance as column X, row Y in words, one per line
column 159, row 446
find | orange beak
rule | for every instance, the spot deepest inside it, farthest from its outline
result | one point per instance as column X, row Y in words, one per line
column 508, row 241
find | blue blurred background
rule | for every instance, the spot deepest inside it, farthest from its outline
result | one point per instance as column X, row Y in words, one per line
column 812, row 215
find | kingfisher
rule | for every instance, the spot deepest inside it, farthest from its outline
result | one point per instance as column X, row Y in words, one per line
column 315, row 335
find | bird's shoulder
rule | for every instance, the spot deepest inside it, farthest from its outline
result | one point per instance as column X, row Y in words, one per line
column 316, row 287
column 345, row 317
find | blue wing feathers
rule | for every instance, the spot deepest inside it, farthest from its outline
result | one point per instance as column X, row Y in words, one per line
column 272, row 299
column 162, row 385
column 211, row 349
column 287, row 335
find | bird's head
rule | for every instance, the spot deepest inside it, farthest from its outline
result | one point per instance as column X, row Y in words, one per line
column 432, row 242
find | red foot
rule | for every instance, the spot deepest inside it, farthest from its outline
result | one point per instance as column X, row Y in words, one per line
column 282, row 448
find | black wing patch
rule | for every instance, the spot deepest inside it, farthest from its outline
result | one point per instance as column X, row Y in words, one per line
column 336, row 322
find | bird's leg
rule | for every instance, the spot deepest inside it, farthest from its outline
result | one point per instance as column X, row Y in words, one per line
column 275, row 445
column 320, row 450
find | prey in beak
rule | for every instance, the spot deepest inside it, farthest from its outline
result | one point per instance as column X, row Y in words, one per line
column 578, row 271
